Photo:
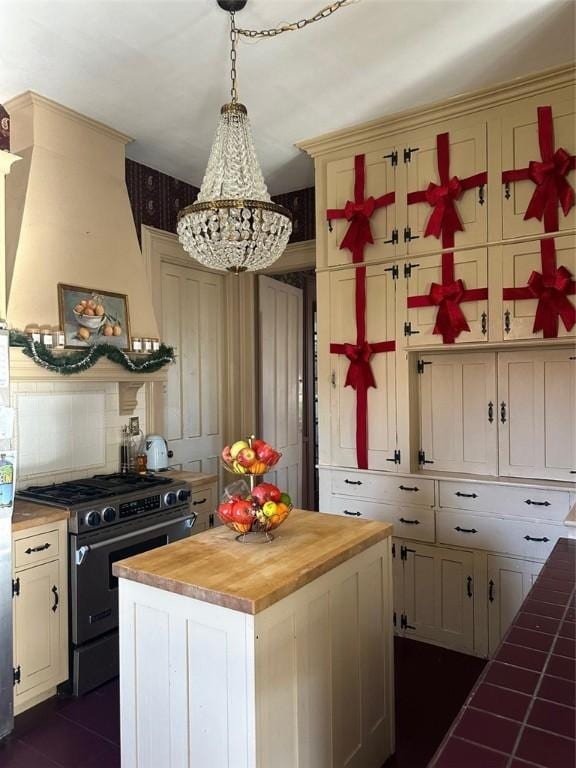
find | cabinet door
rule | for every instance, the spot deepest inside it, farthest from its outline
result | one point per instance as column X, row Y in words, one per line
column 458, row 412
column 380, row 316
column 470, row 267
column 439, row 595
column 380, row 178
column 537, row 414
column 467, row 158
column 37, row 627
column 519, row 260
column 398, row 584
column 520, row 146
column 509, row 581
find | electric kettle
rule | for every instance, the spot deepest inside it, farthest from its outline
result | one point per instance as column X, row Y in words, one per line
column 156, row 453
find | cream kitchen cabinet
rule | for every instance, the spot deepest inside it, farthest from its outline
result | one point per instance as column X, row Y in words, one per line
column 40, row 589
column 435, row 594
column 520, row 146
column 458, row 412
column 537, row 413
column 509, row 581
column 518, row 261
column 341, row 328
column 471, row 267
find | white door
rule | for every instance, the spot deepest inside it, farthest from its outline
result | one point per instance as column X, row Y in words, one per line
column 458, row 412
column 537, row 413
column 192, row 322
column 281, row 380
column 509, row 581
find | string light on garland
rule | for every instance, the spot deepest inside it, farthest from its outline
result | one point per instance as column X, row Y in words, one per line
column 77, row 362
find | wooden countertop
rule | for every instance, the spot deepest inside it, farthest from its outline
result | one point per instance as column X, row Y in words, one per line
column 212, row 566
column 28, row 514
column 194, row 479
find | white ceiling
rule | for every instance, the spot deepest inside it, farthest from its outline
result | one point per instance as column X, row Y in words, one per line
column 158, row 69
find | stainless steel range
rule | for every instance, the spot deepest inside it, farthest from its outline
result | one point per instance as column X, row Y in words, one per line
column 111, row 517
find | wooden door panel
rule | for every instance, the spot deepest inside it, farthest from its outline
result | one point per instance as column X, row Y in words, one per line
column 509, row 581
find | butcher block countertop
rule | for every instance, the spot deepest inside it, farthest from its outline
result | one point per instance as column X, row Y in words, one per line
column 194, row 479
column 27, row 514
column 246, row 577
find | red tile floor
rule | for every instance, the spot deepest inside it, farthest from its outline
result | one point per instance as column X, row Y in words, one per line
column 431, row 686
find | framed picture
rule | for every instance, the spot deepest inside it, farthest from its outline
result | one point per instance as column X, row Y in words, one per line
column 89, row 316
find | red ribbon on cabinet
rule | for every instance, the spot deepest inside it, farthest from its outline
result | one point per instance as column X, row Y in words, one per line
column 360, row 375
column 551, row 287
column 549, row 176
column 359, row 212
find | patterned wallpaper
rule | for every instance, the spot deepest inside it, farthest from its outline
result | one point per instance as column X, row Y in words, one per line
column 301, row 204
column 4, row 129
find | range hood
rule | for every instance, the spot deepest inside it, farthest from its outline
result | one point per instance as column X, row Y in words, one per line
column 68, row 217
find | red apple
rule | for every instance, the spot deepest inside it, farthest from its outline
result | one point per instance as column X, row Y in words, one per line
column 242, row 512
column 225, row 510
column 246, row 457
column 265, row 453
column 257, row 445
column 226, row 455
column 266, row 492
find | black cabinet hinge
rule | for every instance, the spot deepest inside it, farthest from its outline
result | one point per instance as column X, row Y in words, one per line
column 408, row 153
column 393, row 269
column 16, row 586
column 420, row 365
column 408, row 329
column 392, row 156
column 422, row 458
column 396, row 459
column 16, row 675
column 408, row 269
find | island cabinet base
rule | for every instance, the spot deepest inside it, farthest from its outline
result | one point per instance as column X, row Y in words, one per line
column 305, row 683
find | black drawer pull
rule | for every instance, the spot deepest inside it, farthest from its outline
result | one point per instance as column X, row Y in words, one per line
column 465, row 530
column 466, row 495
column 491, row 591
column 355, row 514
column 56, row 598
column 353, row 482
column 531, row 538
column 408, row 487
column 200, row 501
column 409, row 522
column 537, row 503
column 469, row 586
column 41, row 548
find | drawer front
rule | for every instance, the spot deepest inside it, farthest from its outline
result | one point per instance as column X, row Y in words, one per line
column 506, row 500
column 202, row 500
column 409, row 522
column 513, row 537
column 36, row 548
column 388, row 489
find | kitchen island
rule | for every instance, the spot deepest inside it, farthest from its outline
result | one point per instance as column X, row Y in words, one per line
column 271, row 655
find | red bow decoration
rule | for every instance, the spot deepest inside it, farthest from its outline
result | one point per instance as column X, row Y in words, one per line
column 360, row 375
column 551, row 287
column 359, row 212
column 549, row 176
column 444, row 220
column 447, row 296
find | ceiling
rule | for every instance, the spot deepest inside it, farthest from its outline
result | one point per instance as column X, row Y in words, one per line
column 158, row 69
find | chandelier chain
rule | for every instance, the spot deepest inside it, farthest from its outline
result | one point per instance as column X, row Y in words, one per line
column 328, row 10
column 233, row 43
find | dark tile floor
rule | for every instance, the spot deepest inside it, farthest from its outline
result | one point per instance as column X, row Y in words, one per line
column 431, row 686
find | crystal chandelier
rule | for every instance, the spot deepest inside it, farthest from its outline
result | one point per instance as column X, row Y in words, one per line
column 234, row 225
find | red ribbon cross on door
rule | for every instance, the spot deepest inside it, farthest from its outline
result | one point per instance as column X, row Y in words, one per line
column 444, row 219
column 549, row 176
column 359, row 212
column 360, row 375
column 551, row 287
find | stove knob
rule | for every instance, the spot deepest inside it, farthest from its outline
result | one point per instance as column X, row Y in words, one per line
column 184, row 495
column 93, row 519
column 109, row 515
column 170, row 499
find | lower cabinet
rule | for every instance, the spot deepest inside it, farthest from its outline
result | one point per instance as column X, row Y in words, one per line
column 509, row 581
column 434, row 594
column 40, row 610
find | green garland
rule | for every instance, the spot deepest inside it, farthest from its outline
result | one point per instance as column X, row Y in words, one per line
column 76, row 362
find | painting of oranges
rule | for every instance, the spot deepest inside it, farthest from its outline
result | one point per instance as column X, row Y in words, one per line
column 91, row 317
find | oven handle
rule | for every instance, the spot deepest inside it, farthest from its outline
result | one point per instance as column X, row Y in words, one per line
column 82, row 552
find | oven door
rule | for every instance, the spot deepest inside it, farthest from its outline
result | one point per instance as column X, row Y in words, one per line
column 93, row 587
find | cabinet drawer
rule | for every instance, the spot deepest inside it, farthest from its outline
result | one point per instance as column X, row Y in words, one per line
column 202, row 500
column 384, row 488
column 409, row 522
column 513, row 537
column 33, row 549
column 506, row 500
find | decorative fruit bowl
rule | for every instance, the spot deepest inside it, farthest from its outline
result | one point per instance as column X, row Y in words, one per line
column 253, row 511
column 250, row 457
